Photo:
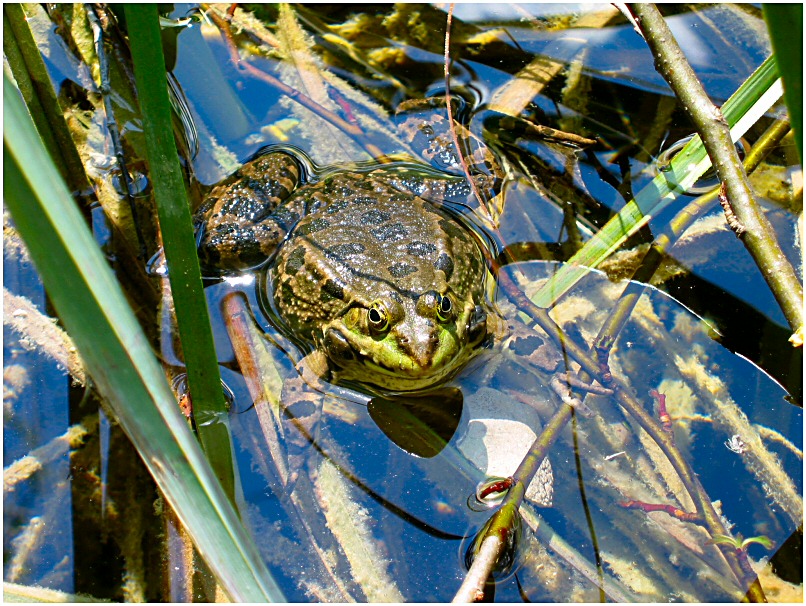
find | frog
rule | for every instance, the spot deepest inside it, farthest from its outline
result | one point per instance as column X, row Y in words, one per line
column 381, row 286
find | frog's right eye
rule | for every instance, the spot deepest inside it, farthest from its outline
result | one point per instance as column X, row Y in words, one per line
column 378, row 317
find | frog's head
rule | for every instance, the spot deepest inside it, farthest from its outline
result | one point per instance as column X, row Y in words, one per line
column 405, row 343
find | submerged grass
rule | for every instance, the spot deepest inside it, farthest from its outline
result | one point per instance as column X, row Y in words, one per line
column 118, row 356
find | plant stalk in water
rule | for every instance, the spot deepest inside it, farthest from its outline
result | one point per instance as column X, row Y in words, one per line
column 490, row 545
column 209, row 407
column 756, row 232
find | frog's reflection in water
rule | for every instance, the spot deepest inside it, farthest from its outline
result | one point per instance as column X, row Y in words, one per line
column 420, row 425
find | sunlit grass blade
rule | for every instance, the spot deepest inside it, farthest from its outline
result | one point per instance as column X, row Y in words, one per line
column 28, row 69
column 785, row 24
column 119, row 358
column 749, row 103
column 195, row 332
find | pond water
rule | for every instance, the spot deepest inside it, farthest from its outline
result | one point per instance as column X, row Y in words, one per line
column 377, row 502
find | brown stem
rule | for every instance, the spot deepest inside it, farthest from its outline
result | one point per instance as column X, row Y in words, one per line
column 681, row 515
column 502, row 521
column 472, row 588
column 256, row 372
column 663, row 415
column 758, row 237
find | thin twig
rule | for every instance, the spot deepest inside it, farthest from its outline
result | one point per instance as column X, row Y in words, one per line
column 583, row 497
column 472, row 588
column 675, row 512
column 545, row 132
column 758, row 237
column 488, row 218
column 499, row 525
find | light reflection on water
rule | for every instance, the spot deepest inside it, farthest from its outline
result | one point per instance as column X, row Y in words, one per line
column 417, row 500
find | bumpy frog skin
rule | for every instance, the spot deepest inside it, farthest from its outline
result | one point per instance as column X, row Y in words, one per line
column 384, row 283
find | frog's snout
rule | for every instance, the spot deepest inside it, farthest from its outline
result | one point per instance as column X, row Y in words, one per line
column 419, row 347
column 417, row 351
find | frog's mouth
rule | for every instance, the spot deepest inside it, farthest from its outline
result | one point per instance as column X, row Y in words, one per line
column 393, row 380
column 386, row 364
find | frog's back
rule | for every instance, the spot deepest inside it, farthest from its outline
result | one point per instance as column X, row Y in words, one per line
column 368, row 241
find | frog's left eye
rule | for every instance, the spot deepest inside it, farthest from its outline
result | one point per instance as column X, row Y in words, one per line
column 445, row 308
column 378, row 318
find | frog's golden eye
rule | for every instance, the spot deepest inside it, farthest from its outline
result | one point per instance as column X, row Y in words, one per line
column 445, row 308
column 378, row 318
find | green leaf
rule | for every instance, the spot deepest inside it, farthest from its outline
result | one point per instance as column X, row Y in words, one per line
column 785, row 24
column 119, row 357
column 204, row 380
column 725, row 540
column 762, row 540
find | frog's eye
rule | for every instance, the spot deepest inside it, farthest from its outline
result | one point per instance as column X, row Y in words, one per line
column 445, row 308
column 378, row 318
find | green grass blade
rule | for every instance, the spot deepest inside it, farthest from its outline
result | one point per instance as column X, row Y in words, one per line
column 118, row 356
column 785, row 24
column 204, row 381
column 28, row 69
column 751, row 101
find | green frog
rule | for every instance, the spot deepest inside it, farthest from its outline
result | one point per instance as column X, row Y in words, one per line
column 385, row 288
column 382, row 287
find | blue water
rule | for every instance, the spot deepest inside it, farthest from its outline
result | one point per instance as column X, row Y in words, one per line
column 415, row 506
